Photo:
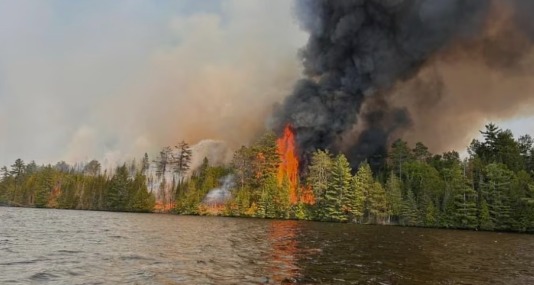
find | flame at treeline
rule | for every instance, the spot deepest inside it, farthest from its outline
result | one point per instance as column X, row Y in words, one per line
column 288, row 170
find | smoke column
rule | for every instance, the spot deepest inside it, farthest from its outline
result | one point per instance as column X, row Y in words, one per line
column 376, row 70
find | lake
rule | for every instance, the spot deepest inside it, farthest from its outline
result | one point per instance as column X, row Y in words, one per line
column 45, row 246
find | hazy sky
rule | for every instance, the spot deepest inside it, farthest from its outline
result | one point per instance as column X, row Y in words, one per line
column 113, row 79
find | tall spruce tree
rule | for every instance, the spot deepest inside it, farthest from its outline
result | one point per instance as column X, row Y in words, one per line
column 363, row 186
column 495, row 190
column 394, row 197
column 378, row 210
column 336, row 201
column 410, row 212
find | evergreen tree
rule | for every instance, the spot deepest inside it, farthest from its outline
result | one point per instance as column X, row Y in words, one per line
column 495, row 191
column 486, row 222
column 460, row 199
column 521, row 200
column 182, row 159
column 400, row 153
column 117, row 193
column 421, row 152
column 145, row 164
column 363, row 184
column 265, row 159
column 410, row 213
column 44, row 186
column 430, row 217
column 378, row 210
column 163, row 162
column 394, row 196
column 242, row 165
column 319, row 178
column 141, row 201
column 319, row 173
column 337, row 205
column 92, row 168
column 466, row 208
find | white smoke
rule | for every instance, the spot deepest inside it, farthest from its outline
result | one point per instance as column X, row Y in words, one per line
column 221, row 194
column 107, row 80
column 217, row 152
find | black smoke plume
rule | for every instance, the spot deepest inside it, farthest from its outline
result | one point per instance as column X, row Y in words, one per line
column 359, row 50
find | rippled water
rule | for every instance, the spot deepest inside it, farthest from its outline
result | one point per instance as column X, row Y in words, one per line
column 42, row 246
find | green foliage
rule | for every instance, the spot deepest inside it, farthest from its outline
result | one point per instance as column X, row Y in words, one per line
column 394, row 196
column 118, row 190
column 320, row 173
column 430, row 217
column 486, row 222
column 410, row 212
column 491, row 189
column 378, row 210
column 64, row 187
column 142, row 200
column 338, row 201
column 495, row 190
column 363, row 183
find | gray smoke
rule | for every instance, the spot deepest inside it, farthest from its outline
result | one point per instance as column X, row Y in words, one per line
column 359, row 51
column 222, row 194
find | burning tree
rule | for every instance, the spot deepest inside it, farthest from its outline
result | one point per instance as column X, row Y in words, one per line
column 289, row 165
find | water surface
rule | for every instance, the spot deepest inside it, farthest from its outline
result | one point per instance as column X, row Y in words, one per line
column 44, row 246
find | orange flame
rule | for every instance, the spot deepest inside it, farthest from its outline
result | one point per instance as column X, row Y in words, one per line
column 289, row 164
column 162, row 207
column 307, row 196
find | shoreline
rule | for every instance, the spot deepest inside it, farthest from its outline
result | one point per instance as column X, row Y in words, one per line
column 279, row 219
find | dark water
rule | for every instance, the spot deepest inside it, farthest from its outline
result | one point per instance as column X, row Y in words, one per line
column 39, row 246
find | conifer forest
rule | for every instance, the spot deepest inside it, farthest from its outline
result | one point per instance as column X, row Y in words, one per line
column 491, row 188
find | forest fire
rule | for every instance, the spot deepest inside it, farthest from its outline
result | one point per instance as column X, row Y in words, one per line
column 162, row 207
column 289, row 165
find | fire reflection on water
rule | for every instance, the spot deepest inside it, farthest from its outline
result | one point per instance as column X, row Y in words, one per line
column 283, row 256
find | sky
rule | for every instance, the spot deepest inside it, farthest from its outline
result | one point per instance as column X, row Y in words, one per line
column 111, row 80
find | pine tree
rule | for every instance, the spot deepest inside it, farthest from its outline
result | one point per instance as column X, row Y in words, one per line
column 466, row 208
column 378, row 210
column 319, row 178
column 264, row 159
column 182, row 160
column 163, row 162
column 486, row 222
column 145, row 164
column 44, row 186
column 394, row 196
column 117, row 194
column 400, row 153
column 319, row 173
column 496, row 193
column 242, row 165
column 410, row 213
column 92, row 168
column 336, row 203
column 421, row 152
column 141, row 201
column 430, row 214
column 460, row 200
column 363, row 186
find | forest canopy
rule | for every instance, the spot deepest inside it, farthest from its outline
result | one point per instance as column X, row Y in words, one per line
column 492, row 188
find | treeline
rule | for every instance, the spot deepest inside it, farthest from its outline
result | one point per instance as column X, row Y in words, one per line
column 491, row 189
column 76, row 187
